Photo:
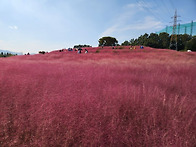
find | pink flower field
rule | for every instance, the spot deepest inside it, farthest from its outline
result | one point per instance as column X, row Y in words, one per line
column 107, row 97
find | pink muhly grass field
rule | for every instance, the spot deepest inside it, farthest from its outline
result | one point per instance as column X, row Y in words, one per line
column 117, row 97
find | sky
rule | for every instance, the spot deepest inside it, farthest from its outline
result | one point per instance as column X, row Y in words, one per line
column 47, row 25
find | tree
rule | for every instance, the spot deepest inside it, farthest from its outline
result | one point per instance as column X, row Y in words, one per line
column 126, row 43
column 153, row 40
column 108, row 41
column 182, row 40
column 164, row 40
column 191, row 44
column 6, row 54
column 142, row 40
column 132, row 41
column 42, row 52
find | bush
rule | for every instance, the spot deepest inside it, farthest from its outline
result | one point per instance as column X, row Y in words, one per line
column 97, row 51
column 42, row 52
column 191, row 44
column 6, row 55
column 80, row 46
column 121, row 47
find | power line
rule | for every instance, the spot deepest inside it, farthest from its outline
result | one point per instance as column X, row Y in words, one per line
column 166, row 6
column 172, row 4
column 150, row 10
column 159, row 5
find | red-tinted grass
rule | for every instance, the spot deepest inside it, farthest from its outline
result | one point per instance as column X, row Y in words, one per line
column 119, row 97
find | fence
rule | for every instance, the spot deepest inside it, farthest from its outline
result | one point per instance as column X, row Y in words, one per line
column 188, row 28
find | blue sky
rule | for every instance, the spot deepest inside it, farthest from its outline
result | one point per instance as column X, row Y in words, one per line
column 34, row 25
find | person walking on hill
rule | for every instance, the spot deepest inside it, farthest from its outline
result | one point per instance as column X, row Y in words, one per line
column 79, row 51
column 86, row 51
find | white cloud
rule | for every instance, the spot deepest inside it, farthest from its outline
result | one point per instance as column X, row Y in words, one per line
column 148, row 23
column 13, row 27
column 110, row 30
column 134, row 18
column 141, row 5
column 129, row 12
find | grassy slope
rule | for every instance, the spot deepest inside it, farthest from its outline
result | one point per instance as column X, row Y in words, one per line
column 112, row 98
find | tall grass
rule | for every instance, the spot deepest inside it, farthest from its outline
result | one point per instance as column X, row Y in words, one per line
column 134, row 98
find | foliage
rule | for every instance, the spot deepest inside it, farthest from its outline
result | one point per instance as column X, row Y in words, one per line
column 191, row 44
column 42, row 52
column 97, row 51
column 164, row 40
column 108, row 41
column 121, row 47
column 126, row 43
column 143, row 39
column 6, row 54
column 80, row 46
column 142, row 98
column 182, row 40
column 160, row 41
column 153, row 40
column 133, row 42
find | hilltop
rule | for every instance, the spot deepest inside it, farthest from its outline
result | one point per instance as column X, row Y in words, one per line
column 107, row 97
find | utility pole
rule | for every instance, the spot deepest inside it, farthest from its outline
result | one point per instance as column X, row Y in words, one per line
column 191, row 28
column 185, row 29
column 173, row 41
column 178, row 28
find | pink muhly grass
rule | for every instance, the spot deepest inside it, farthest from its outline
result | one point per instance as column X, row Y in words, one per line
column 132, row 98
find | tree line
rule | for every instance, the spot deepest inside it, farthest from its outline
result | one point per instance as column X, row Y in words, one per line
column 162, row 41
column 6, row 54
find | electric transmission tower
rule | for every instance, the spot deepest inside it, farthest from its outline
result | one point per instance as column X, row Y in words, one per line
column 173, row 41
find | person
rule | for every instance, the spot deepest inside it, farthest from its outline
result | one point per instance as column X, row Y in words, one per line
column 79, row 51
column 141, row 47
column 86, row 51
